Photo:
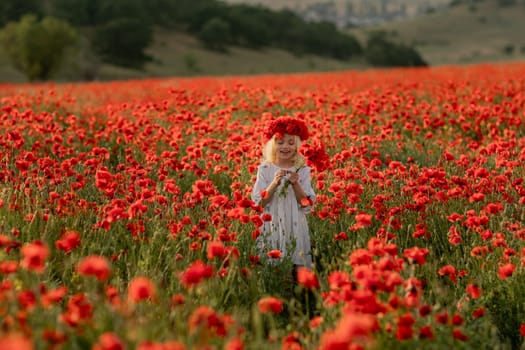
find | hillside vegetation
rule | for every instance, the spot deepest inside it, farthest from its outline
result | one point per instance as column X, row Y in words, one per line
column 179, row 54
column 467, row 33
column 178, row 37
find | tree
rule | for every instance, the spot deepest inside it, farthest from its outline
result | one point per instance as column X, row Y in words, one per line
column 115, row 9
column 162, row 12
column 381, row 52
column 78, row 12
column 249, row 26
column 37, row 48
column 97, row 12
column 13, row 10
column 122, row 41
column 216, row 34
column 199, row 13
column 324, row 39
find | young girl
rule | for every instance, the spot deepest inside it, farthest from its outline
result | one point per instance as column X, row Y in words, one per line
column 283, row 188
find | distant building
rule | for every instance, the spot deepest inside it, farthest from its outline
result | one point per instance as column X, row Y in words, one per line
column 353, row 12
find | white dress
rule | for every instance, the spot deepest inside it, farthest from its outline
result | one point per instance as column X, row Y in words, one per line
column 288, row 227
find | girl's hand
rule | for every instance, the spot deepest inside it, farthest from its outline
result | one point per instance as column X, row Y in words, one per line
column 279, row 175
column 294, row 177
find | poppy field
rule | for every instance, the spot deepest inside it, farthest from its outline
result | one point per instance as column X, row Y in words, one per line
column 126, row 220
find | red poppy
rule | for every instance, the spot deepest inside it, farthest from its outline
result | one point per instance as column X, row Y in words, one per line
column 362, row 220
column 425, row 332
column 476, row 197
column 341, row 236
column 177, row 299
column 442, row 317
column 332, row 340
column 195, row 273
column 425, row 310
column 141, row 289
column 78, row 310
column 479, row 251
column 270, row 304
column 456, row 320
column 34, row 256
column 50, row 297
column 266, row 217
column 109, row 341
column 416, row 255
column 257, row 220
column 493, row 208
column 216, row 249
column 360, row 257
column 449, row 271
column 254, row 260
column 274, row 254
column 96, row 266
column 307, row 278
column 459, row 335
column 54, row 337
column 26, row 299
column 474, row 291
column 166, row 345
column 479, row 312
column 8, row 267
column 4, row 240
column 404, row 326
column 506, row 271
column 69, row 241
column 206, row 321
column 454, row 236
column 12, row 341
column 234, row 344
column 354, row 326
column 454, row 217
column 316, row 322
column 306, row 202
column 404, row 332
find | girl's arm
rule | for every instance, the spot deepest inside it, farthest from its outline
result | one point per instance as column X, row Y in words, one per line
column 304, row 189
column 270, row 190
column 262, row 185
column 297, row 189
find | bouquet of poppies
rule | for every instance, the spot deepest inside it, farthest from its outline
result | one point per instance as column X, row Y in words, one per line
column 316, row 156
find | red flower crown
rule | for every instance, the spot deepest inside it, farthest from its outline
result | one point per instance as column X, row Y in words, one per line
column 287, row 125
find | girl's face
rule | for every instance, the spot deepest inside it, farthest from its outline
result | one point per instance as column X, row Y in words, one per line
column 286, row 147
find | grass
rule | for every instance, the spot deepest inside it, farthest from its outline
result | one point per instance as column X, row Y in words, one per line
column 462, row 35
column 7, row 72
column 179, row 54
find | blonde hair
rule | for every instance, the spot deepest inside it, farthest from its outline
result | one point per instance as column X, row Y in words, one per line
column 270, row 154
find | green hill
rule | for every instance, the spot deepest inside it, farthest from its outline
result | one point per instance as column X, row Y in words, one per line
column 179, row 54
column 480, row 32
